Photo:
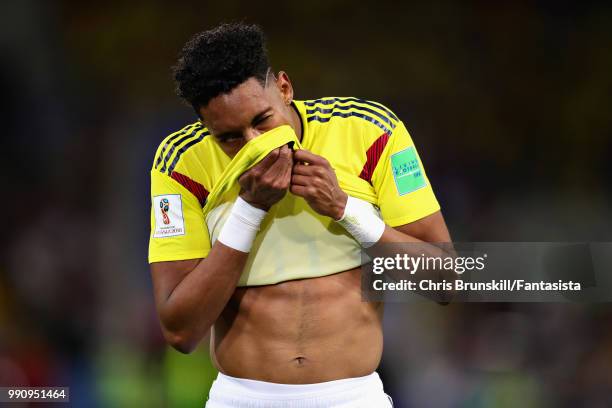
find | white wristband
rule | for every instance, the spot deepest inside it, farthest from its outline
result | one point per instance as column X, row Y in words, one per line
column 241, row 226
column 362, row 222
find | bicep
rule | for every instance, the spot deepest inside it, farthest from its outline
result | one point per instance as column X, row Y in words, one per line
column 431, row 228
column 168, row 275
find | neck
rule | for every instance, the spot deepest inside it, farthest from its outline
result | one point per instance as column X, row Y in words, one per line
column 296, row 121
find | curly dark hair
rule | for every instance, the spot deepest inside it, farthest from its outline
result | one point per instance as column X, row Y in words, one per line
column 215, row 61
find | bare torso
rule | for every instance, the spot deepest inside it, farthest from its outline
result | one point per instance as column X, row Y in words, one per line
column 298, row 332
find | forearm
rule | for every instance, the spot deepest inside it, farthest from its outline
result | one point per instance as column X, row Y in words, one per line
column 393, row 243
column 197, row 301
column 427, row 238
column 415, row 247
column 193, row 303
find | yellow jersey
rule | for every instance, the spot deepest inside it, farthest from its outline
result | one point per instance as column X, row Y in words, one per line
column 364, row 141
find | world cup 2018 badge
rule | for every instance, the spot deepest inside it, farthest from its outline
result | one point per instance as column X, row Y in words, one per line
column 169, row 218
column 164, row 205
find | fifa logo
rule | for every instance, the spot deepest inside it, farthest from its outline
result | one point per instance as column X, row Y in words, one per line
column 407, row 169
column 164, row 205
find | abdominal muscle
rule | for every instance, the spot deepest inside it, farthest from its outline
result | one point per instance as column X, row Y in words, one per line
column 299, row 332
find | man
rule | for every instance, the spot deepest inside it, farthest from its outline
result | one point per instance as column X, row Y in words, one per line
column 272, row 272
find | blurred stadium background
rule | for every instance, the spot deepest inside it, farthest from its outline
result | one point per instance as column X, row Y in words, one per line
column 508, row 103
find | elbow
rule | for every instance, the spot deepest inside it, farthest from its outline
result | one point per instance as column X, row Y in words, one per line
column 181, row 342
column 184, row 347
column 181, row 335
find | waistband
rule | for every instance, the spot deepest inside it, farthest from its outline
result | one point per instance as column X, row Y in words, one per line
column 227, row 386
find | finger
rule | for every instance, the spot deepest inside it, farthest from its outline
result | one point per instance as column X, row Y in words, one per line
column 289, row 167
column 300, row 191
column 286, row 155
column 268, row 161
column 301, row 180
column 282, row 164
column 287, row 177
column 244, row 177
column 286, row 151
column 283, row 168
column 305, row 170
column 308, row 157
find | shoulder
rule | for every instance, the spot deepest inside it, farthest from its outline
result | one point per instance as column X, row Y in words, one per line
column 351, row 111
column 173, row 147
column 174, row 160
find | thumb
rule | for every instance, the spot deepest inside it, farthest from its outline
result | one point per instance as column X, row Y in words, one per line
column 267, row 161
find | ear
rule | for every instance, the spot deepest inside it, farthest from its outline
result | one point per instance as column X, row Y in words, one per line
column 283, row 83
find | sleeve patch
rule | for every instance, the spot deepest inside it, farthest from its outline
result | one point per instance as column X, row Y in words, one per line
column 407, row 172
column 169, row 220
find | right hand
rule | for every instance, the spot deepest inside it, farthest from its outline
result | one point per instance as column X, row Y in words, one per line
column 267, row 182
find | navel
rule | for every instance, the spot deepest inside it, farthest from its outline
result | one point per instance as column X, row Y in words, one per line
column 300, row 361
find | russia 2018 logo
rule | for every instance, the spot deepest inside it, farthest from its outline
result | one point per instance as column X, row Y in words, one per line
column 164, row 205
column 168, row 210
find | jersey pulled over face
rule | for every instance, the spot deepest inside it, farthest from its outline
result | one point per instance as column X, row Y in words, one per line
column 362, row 140
column 243, row 114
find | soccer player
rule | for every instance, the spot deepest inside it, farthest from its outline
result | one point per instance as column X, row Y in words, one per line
column 274, row 271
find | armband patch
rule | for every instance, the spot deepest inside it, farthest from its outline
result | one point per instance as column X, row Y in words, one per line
column 407, row 172
column 169, row 221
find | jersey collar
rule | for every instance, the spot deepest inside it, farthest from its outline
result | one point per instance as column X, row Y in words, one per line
column 301, row 110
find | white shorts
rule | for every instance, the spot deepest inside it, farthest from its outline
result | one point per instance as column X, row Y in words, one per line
column 359, row 392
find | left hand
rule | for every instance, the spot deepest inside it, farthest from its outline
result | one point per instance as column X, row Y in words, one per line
column 314, row 179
